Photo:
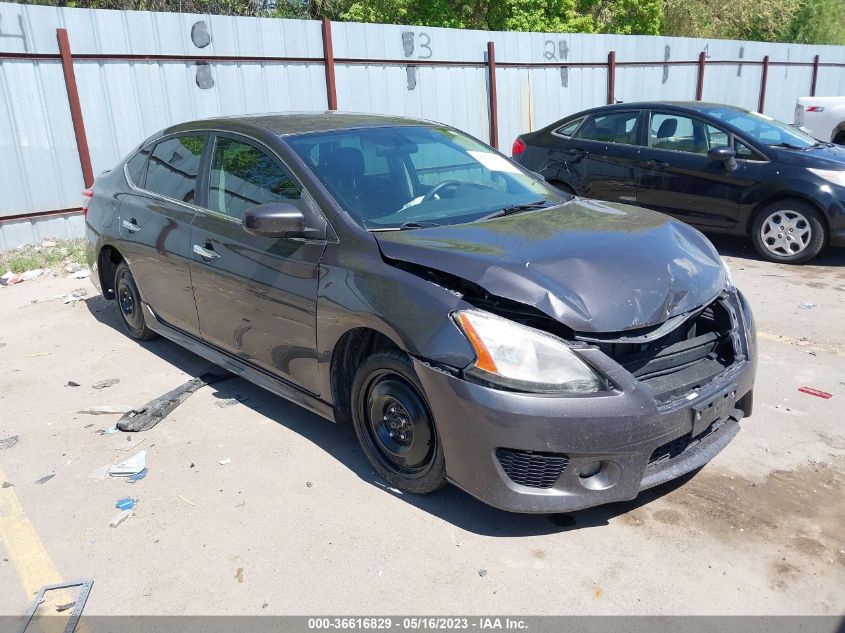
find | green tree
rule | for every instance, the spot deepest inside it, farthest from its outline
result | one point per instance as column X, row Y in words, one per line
column 817, row 22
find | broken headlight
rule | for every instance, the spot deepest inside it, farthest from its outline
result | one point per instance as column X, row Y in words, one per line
column 522, row 358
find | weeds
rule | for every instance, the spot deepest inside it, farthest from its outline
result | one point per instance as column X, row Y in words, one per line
column 64, row 254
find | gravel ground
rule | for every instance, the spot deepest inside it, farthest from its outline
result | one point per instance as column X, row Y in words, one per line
column 297, row 522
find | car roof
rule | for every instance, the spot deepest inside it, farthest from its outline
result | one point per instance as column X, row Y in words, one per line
column 289, row 123
column 688, row 106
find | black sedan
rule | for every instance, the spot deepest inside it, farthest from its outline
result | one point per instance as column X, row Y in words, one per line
column 473, row 323
column 718, row 167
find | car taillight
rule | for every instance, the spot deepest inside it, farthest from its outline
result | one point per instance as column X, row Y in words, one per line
column 86, row 200
column 815, row 108
column 518, row 147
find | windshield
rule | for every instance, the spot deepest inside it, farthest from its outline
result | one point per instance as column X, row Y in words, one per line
column 412, row 177
column 764, row 129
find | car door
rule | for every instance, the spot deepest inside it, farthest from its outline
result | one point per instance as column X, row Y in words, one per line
column 676, row 176
column 256, row 297
column 154, row 220
column 602, row 156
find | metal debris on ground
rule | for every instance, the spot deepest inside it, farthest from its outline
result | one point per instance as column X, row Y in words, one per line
column 103, row 384
column 816, row 392
column 72, row 383
column 806, row 306
column 159, row 408
column 45, row 479
column 137, row 476
column 106, row 409
column 119, row 518
column 131, row 466
column 126, row 503
column 223, row 462
column 78, row 604
column 9, row 442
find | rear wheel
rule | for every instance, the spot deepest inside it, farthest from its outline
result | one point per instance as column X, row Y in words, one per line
column 129, row 304
column 789, row 231
column 394, row 424
column 839, row 139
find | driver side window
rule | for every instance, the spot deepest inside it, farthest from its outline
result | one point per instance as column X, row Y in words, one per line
column 243, row 176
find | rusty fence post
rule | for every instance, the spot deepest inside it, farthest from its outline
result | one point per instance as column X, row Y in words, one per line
column 699, row 88
column 611, row 77
column 494, row 108
column 815, row 76
column 328, row 56
column 763, row 79
column 75, row 107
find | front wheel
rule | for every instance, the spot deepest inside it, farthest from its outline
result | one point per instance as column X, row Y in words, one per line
column 789, row 232
column 129, row 304
column 394, row 424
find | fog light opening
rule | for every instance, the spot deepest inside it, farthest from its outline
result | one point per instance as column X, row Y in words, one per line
column 599, row 475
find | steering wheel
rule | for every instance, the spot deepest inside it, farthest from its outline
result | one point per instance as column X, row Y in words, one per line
column 440, row 187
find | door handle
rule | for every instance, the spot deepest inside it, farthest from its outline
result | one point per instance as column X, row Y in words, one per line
column 131, row 225
column 657, row 164
column 206, row 253
column 577, row 152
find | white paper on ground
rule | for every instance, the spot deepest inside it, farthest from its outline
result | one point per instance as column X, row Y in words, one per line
column 131, row 466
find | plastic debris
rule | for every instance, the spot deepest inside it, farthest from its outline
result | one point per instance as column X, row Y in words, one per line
column 81, row 274
column 131, row 466
column 482, row 572
column 32, row 274
column 45, row 479
column 308, row 484
column 6, row 484
column 239, row 574
column 103, row 384
column 112, row 429
column 137, row 476
column 10, row 279
column 188, row 501
column 106, row 409
column 64, row 607
column 120, row 517
column 229, row 402
column 159, row 408
column 223, row 462
column 126, row 503
column 9, row 442
column 72, row 383
column 816, row 392
column 806, row 306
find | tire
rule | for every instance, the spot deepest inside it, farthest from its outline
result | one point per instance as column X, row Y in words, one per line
column 789, row 232
column 839, row 139
column 129, row 304
column 394, row 424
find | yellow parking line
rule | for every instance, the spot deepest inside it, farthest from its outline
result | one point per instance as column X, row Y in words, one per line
column 26, row 551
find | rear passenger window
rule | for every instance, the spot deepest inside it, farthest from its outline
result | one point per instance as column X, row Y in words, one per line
column 619, row 127
column 135, row 167
column 568, row 129
column 242, row 176
column 173, row 168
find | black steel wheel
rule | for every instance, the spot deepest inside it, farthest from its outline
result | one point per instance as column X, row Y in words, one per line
column 394, row 424
column 129, row 304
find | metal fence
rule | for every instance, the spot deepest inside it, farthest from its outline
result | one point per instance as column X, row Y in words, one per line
column 80, row 88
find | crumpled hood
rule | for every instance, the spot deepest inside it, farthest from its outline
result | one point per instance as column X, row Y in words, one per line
column 595, row 267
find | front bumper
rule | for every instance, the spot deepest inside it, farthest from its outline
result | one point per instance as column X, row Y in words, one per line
column 621, row 432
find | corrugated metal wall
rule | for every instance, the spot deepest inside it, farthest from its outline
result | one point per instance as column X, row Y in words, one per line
column 434, row 73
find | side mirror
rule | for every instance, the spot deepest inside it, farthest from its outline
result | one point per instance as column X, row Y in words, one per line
column 724, row 154
column 275, row 219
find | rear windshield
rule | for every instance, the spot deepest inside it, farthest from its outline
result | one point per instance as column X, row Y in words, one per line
column 390, row 177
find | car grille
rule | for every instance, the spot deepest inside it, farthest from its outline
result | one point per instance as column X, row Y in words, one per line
column 671, row 450
column 685, row 359
column 534, row 470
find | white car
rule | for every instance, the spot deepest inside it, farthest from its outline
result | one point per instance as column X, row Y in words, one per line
column 822, row 118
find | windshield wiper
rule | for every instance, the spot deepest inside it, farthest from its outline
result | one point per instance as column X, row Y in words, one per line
column 517, row 208
column 410, row 225
column 787, row 145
